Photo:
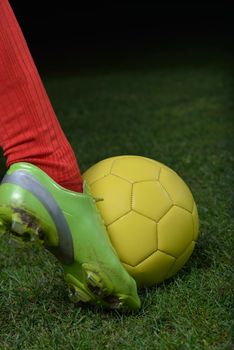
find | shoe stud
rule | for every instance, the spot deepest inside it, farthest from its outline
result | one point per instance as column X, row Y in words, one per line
column 76, row 295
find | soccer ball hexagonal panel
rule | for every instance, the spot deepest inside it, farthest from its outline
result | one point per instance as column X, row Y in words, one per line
column 134, row 237
column 176, row 188
column 116, row 195
column 135, row 169
column 150, row 199
column 175, row 231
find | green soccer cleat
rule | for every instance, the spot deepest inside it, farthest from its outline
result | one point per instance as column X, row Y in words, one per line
column 33, row 207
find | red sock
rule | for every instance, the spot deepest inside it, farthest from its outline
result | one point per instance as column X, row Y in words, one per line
column 29, row 130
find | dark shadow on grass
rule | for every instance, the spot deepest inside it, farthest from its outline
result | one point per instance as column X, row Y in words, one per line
column 201, row 258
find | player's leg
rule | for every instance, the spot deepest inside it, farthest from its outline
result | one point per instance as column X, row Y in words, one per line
column 42, row 196
column 30, row 131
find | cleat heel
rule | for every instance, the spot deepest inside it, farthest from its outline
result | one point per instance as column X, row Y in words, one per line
column 25, row 227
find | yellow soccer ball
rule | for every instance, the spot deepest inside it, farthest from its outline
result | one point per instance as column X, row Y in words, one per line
column 150, row 215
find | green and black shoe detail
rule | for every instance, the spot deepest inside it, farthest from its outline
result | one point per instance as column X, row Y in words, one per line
column 33, row 207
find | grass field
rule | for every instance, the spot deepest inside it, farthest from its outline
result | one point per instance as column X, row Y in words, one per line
column 176, row 108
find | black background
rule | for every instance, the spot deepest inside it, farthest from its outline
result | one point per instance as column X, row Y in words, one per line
column 67, row 28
